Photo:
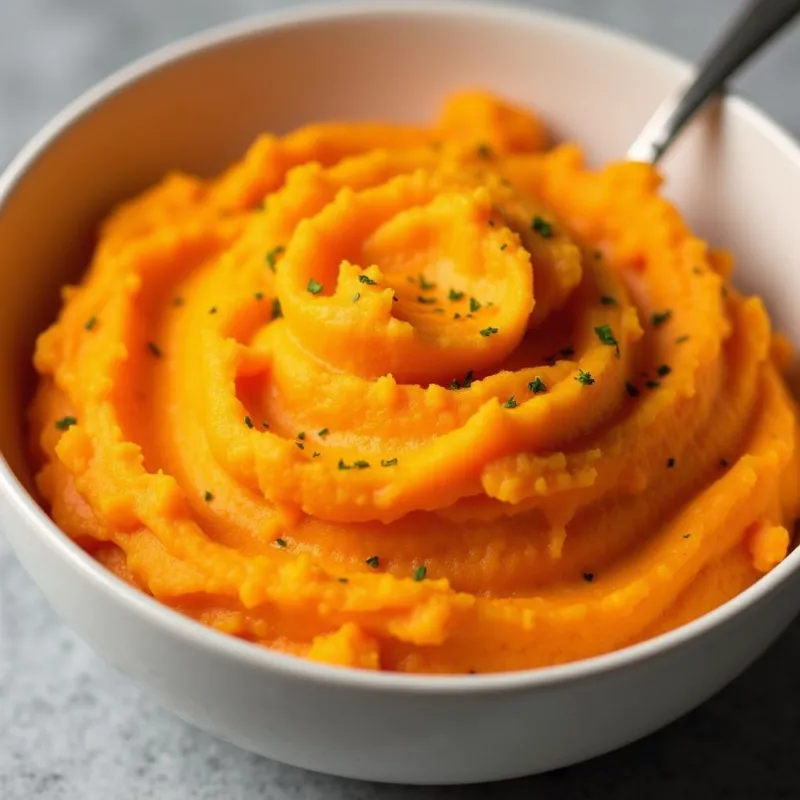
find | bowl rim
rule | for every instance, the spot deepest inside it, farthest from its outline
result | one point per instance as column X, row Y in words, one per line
column 27, row 511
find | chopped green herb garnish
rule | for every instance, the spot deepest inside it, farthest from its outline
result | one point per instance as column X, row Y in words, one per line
column 484, row 151
column 300, row 446
column 343, row 580
column 265, row 424
column 454, row 295
column 488, row 331
column 316, row 454
column 272, row 255
column 687, row 535
column 474, row 305
column 208, row 497
column 301, row 435
column 584, row 378
column 259, row 296
column 542, row 227
column 342, row 465
column 65, row 423
column 425, row 285
column 682, row 339
column 537, row 386
column 651, row 384
column 606, row 336
column 632, row 390
column 212, row 310
column 567, row 352
column 154, row 349
column 248, row 422
column 280, row 542
column 660, row 317
column 277, row 311
column 373, row 561
column 664, row 369
column 426, row 300
column 670, row 463
column 456, row 316
column 361, row 464
column 389, row 462
column 588, row 576
column 467, row 382
column 315, row 287
column 356, row 296
column 90, row 323
column 323, row 432
column 608, row 300
column 491, row 223
column 420, row 573
column 504, row 245
column 366, row 279
column 511, row 402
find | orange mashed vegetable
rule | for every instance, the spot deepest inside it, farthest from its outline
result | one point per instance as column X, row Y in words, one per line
column 418, row 399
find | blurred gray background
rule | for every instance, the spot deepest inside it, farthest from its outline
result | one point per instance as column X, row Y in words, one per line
column 71, row 727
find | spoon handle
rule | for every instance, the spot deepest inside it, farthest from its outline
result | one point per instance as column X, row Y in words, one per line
column 758, row 22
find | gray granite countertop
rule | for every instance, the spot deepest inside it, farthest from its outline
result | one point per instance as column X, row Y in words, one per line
column 72, row 727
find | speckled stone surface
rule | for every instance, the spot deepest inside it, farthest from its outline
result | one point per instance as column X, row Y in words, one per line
column 71, row 727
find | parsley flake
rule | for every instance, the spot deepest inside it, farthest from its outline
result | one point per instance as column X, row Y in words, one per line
column 537, row 386
column 373, row 561
column 389, row 462
column 280, row 542
column 504, row 245
column 608, row 300
column 542, row 227
column 425, row 285
column 65, row 423
column 454, row 295
column 248, row 422
column 208, row 497
column 584, row 378
column 272, row 255
column 588, row 576
column 420, row 573
column 323, row 432
column 315, row 287
column 259, row 296
column 606, row 336
column 664, row 369
column 366, row 279
column 682, row 339
column 426, row 300
column 474, row 305
column 277, row 311
column 90, row 323
column 488, row 331
column 154, row 349
column 511, row 402
column 660, row 317
column 483, row 150
column 651, row 384
column 632, row 390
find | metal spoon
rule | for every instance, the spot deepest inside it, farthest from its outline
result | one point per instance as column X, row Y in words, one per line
column 754, row 26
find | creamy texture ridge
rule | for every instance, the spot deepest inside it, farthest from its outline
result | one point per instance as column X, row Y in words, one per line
column 418, row 399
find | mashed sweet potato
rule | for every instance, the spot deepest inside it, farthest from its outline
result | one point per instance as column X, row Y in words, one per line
column 426, row 400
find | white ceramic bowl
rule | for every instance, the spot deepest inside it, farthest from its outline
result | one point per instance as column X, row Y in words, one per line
column 196, row 105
